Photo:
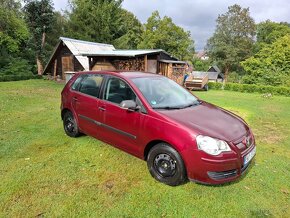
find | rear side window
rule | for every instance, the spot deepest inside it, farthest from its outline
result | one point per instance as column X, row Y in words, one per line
column 91, row 85
column 76, row 84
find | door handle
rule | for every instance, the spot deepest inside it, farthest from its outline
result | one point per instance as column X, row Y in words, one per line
column 75, row 98
column 102, row 108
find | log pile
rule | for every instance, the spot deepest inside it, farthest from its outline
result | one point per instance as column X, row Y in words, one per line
column 130, row 64
column 178, row 72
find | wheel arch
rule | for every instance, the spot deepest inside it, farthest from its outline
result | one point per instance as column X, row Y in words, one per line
column 153, row 143
column 64, row 111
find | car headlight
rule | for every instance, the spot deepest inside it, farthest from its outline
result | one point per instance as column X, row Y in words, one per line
column 211, row 146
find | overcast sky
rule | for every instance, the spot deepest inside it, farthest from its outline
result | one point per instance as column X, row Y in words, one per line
column 198, row 16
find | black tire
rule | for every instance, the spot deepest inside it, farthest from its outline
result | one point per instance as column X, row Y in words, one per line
column 166, row 165
column 70, row 125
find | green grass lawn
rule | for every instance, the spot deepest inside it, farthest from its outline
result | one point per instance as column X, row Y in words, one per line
column 45, row 173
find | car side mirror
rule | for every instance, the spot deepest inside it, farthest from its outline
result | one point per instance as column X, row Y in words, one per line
column 129, row 105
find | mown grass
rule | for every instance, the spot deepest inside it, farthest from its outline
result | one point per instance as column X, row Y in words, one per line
column 45, row 173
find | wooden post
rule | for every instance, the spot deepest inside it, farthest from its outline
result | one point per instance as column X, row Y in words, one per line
column 54, row 69
column 145, row 62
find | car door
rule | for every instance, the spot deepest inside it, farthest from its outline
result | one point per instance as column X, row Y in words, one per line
column 120, row 127
column 85, row 102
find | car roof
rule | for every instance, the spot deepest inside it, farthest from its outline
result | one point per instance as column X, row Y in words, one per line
column 124, row 74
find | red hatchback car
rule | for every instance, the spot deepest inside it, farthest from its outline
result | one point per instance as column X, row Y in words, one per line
column 155, row 119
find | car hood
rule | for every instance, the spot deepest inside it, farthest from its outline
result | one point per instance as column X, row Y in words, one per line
column 210, row 120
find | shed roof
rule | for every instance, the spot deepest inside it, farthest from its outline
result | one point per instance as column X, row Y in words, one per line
column 124, row 53
column 79, row 47
column 215, row 68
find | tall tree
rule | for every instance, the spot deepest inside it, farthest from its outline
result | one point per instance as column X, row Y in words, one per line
column 130, row 30
column 268, row 32
column 12, row 5
column 233, row 39
column 164, row 34
column 95, row 20
column 39, row 16
column 13, row 31
column 59, row 28
column 271, row 65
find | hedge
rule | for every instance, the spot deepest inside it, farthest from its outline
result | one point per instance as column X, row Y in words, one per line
column 278, row 90
column 7, row 78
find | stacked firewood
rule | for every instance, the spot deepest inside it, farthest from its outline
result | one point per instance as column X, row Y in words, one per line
column 130, row 64
column 178, row 72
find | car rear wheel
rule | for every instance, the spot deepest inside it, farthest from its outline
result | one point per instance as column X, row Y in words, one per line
column 166, row 165
column 70, row 125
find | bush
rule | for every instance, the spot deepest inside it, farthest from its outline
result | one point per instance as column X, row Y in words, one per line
column 17, row 69
column 278, row 90
column 7, row 78
column 213, row 85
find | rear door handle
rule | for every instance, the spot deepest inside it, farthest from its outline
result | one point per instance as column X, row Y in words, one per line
column 75, row 98
column 102, row 108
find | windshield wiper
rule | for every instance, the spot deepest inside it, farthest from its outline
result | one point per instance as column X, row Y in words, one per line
column 178, row 108
column 168, row 108
column 193, row 104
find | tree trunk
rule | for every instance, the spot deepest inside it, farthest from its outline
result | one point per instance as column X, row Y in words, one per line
column 39, row 66
column 226, row 75
column 43, row 40
column 38, row 61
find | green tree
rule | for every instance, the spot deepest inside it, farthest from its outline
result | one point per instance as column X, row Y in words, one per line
column 58, row 28
column 131, row 30
column 13, row 31
column 268, row 32
column 39, row 16
column 12, row 5
column 271, row 65
column 164, row 34
column 95, row 20
column 233, row 39
column 200, row 65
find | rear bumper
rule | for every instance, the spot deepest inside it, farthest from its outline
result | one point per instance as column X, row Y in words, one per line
column 217, row 170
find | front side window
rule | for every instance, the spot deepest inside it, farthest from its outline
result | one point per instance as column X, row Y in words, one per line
column 91, row 85
column 163, row 93
column 117, row 91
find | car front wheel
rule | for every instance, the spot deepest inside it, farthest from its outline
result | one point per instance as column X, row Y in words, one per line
column 70, row 125
column 166, row 165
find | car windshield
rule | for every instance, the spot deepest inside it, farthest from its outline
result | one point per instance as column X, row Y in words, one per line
column 163, row 93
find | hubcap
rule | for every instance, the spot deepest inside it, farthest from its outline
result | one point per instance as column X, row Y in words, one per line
column 69, row 125
column 164, row 165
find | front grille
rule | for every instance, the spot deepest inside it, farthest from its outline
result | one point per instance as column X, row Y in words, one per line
column 244, row 142
column 222, row 175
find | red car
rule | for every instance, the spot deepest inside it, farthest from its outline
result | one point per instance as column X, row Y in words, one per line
column 153, row 118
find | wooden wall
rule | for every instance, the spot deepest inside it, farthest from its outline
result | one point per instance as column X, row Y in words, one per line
column 62, row 51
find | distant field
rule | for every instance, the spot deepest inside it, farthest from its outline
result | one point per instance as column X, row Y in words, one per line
column 45, row 173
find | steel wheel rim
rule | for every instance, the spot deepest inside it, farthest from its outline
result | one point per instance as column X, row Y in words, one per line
column 69, row 125
column 165, row 165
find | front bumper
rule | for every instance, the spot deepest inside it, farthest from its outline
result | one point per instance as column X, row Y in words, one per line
column 220, row 169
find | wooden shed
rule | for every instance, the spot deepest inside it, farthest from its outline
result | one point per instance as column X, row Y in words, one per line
column 68, row 56
column 76, row 55
column 154, row 61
